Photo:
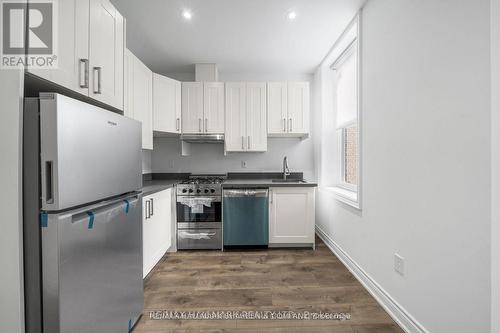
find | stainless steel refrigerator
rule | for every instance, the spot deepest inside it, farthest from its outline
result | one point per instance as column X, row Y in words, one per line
column 82, row 175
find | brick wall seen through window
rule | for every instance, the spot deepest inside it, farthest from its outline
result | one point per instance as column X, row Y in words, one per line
column 351, row 155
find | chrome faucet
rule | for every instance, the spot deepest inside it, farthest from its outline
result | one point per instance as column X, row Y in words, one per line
column 286, row 171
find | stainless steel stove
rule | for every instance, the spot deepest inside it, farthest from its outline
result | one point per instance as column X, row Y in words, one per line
column 199, row 212
column 201, row 185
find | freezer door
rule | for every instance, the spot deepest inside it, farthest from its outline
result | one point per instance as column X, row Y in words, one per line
column 92, row 268
column 87, row 153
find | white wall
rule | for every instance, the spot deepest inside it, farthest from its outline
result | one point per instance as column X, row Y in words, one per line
column 146, row 161
column 495, row 155
column 256, row 77
column 425, row 161
column 244, row 76
column 209, row 158
column 188, row 76
column 11, row 287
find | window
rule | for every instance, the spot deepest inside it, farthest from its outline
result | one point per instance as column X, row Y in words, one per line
column 345, row 91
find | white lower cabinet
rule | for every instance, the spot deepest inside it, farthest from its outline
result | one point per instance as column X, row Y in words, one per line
column 156, row 228
column 291, row 215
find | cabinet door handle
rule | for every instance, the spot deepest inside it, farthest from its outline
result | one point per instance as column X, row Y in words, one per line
column 242, row 142
column 152, row 208
column 284, row 124
column 199, row 124
column 206, row 124
column 249, row 142
column 271, row 197
column 147, row 210
column 290, row 126
column 84, row 75
column 98, row 77
column 177, row 124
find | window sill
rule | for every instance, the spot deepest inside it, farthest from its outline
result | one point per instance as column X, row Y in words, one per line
column 346, row 196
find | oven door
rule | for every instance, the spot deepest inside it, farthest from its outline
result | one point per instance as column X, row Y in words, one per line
column 199, row 239
column 199, row 209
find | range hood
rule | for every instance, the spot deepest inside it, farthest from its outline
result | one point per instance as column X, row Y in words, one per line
column 203, row 138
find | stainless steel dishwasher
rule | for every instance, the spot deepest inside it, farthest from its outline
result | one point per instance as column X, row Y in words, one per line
column 245, row 217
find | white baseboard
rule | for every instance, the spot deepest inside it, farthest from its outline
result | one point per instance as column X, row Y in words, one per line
column 396, row 311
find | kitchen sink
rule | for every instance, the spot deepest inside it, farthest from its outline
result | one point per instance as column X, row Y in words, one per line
column 290, row 180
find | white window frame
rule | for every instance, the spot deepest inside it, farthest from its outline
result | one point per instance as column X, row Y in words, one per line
column 348, row 193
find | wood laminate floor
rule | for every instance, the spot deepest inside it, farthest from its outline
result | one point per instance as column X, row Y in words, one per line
column 260, row 280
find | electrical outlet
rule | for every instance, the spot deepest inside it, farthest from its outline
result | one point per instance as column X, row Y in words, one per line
column 244, row 164
column 399, row 264
column 171, row 164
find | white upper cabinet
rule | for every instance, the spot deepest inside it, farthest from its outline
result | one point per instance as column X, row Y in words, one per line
column 106, row 53
column 235, row 131
column 139, row 96
column 192, row 107
column 213, row 107
column 288, row 109
column 73, row 47
column 90, row 50
column 298, row 107
column 246, row 128
column 202, row 107
column 166, row 104
column 277, row 112
column 256, row 114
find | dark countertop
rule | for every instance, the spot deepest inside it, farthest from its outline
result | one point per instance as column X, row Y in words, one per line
column 153, row 186
column 264, row 183
column 159, row 182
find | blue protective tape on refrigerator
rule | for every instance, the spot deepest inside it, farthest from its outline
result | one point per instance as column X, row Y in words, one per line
column 130, row 325
column 127, row 206
column 44, row 220
column 91, row 220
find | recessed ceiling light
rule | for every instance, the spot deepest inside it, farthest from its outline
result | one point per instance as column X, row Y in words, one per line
column 292, row 15
column 186, row 13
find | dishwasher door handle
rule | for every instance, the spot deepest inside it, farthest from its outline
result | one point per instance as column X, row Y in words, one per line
column 246, row 193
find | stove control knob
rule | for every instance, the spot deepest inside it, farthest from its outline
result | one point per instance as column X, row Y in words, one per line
column 206, row 190
column 198, row 191
column 212, row 190
column 190, row 190
column 184, row 190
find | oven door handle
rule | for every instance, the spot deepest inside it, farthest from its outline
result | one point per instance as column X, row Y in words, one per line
column 196, row 235
column 200, row 234
column 214, row 199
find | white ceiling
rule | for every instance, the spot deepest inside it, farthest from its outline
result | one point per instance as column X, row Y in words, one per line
column 241, row 36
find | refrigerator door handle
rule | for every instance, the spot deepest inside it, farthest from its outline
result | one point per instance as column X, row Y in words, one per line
column 107, row 203
column 49, row 182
